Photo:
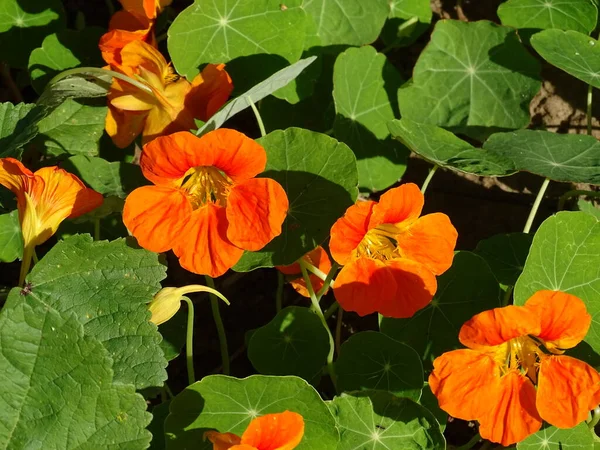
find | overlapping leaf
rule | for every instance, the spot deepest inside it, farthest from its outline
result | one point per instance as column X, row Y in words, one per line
column 11, row 239
column 18, row 126
column 444, row 149
column 229, row 404
column 506, row 255
column 56, row 384
column 365, row 89
column 319, row 176
column 552, row 438
column 107, row 285
column 560, row 157
column 467, row 288
column 472, row 75
column 408, row 19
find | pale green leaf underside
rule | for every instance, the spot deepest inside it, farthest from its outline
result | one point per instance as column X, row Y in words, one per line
column 229, row 404
column 560, row 157
column 474, row 74
column 565, row 256
column 552, row 438
column 11, row 240
column 575, row 53
column 365, row 89
column 56, row 384
column 578, row 15
column 108, row 285
column 443, row 148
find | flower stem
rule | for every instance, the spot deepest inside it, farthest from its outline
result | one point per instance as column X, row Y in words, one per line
column 28, row 253
column 507, row 296
column 574, row 193
column 432, row 172
column 327, row 281
column 469, row 445
column 322, row 275
column 261, row 125
column 595, row 418
column 189, row 341
column 536, row 205
column 317, row 309
column 279, row 293
column 214, row 304
column 97, row 70
column 589, row 108
column 329, row 311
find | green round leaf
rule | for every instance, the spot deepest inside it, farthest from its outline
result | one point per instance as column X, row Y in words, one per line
column 560, row 157
column 256, row 38
column 589, row 208
column 578, row 15
column 365, row 89
column 319, row 176
column 444, row 149
column 18, row 126
column 506, row 255
column 351, row 22
column 372, row 360
column 173, row 333
column 467, row 288
column 472, row 75
column 228, row 404
column 552, row 438
column 11, row 239
column 565, row 256
column 56, row 388
column 293, row 343
column 408, row 19
column 430, row 401
column 23, row 26
column 64, row 50
column 575, row 53
column 379, row 420
column 107, row 286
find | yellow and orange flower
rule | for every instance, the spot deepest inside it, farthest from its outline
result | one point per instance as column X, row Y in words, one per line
column 206, row 203
column 318, row 258
column 161, row 102
column 390, row 255
column 281, row 431
column 125, row 27
column 148, row 8
column 512, row 350
column 44, row 199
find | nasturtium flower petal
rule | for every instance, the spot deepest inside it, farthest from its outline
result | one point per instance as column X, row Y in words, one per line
column 281, row 431
column 222, row 441
column 210, row 90
column 318, row 258
column 397, row 205
column 567, row 390
column 348, row 231
column 256, row 210
column 124, row 27
column 512, row 415
column 563, row 317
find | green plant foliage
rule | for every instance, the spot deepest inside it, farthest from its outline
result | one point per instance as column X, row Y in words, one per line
column 173, row 334
column 467, row 288
column 255, row 94
column 108, row 178
column 107, row 286
column 399, row 30
column 429, row 401
column 256, row 38
column 56, row 388
column 229, row 404
column 372, row 360
column 560, row 157
column 577, row 15
column 74, row 128
column 157, row 426
column 293, row 343
column 319, row 176
column 552, row 438
column 16, row 127
column 565, row 256
column 472, row 75
column 444, row 149
column 588, row 207
column 351, row 22
column 64, row 50
column 506, row 255
column 11, row 240
column 23, row 26
column 379, row 420
column 365, row 89
column 574, row 52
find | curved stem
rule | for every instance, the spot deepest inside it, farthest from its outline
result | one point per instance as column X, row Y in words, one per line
column 507, row 295
column 430, row 175
column 327, row 281
column 595, row 418
column 92, row 70
column 28, row 253
column 322, row 275
column 536, row 205
column 189, row 341
column 261, row 125
column 317, row 308
column 329, row 311
column 589, row 108
column 469, row 445
column 338, row 331
column 279, row 293
column 214, row 304
column 575, row 193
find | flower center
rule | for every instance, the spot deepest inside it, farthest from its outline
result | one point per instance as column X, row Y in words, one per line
column 206, row 184
column 523, row 354
column 380, row 243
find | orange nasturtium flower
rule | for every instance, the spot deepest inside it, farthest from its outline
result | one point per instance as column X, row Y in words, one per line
column 161, row 102
column 510, row 351
column 205, row 204
column 390, row 254
column 125, row 27
column 44, row 199
column 318, row 258
column 149, row 8
column 281, row 431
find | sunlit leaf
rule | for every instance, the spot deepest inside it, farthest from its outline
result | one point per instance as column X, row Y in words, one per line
column 552, row 438
column 11, row 239
column 408, row 19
